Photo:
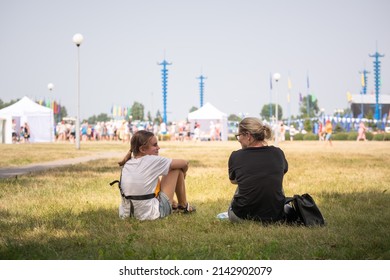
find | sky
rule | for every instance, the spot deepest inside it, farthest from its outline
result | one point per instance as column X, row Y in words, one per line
column 236, row 44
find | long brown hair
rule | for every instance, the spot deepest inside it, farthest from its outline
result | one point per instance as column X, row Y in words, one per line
column 139, row 139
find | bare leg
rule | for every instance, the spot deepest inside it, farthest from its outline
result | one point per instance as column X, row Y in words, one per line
column 174, row 183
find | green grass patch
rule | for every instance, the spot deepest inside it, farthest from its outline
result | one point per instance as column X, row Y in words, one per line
column 72, row 212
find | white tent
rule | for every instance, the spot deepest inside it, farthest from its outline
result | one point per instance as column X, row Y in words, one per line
column 39, row 118
column 208, row 116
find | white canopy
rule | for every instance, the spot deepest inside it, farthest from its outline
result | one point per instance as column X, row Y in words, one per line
column 39, row 118
column 208, row 116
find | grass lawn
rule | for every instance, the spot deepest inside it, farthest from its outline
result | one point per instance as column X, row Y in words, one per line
column 72, row 212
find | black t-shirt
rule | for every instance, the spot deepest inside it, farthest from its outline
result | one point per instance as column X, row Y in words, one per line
column 259, row 173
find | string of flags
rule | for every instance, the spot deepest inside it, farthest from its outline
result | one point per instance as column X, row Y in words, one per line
column 54, row 105
column 120, row 111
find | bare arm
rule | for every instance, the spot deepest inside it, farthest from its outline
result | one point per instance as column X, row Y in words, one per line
column 179, row 164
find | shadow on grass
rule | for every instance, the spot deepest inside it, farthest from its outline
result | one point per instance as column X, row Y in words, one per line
column 357, row 228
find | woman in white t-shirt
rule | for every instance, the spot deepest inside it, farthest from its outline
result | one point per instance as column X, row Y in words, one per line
column 144, row 195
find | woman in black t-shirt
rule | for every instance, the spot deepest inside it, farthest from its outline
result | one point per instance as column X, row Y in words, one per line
column 258, row 170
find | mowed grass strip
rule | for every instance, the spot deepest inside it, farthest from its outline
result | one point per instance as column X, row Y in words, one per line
column 72, row 212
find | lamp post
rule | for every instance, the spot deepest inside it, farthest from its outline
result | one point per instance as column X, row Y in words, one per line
column 50, row 86
column 276, row 78
column 78, row 39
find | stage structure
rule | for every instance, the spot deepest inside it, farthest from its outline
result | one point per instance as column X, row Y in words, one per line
column 164, row 75
column 363, row 105
column 201, row 88
column 377, row 73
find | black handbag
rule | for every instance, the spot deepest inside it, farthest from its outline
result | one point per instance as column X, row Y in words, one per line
column 302, row 209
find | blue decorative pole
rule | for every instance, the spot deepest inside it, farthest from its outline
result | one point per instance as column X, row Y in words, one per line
column 201, row 88
column 164, row 74
column 377, row 72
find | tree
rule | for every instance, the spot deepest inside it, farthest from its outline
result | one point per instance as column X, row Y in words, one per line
column 234, row 118
column 63, row 113
column 193, row 109
column 313, row 109
column 137, row 111
column 158, row 118
column 265, row 112
column 100, row 118
column 3, row 104
column 307, row 125
column 149, row 117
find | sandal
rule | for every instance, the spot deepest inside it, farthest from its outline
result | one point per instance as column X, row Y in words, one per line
column 174, row 207
column 186, row 209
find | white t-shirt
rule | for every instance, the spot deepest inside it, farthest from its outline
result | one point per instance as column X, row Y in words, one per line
column 139, row 177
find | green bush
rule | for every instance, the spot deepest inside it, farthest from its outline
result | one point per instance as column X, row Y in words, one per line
column 369, row 136
column 352, row 136
column 298, row 136
column 310, row 136
column 340, row 136
column 381, row 137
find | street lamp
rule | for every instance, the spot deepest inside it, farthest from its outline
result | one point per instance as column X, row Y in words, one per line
column 276, row 78
column 50, row 86
column 78, row 39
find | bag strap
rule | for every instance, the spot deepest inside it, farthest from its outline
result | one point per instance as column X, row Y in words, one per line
column 133, row 197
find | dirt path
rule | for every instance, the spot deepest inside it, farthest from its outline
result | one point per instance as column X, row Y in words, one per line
column 9, row 172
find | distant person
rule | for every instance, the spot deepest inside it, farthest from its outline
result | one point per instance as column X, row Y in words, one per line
column 361, row 132
column 218, row 131
column 292, row 132
column 258, row 170
column 148, row 197
column 212, row 131
column 282, row 132
column 163, row 130
column 26, row 133
column 328, row 131
column 197, row 131
column 321, row 131
column 14, row 133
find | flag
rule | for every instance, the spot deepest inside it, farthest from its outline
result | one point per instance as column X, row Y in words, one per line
column 363, row 82
column 289, row 83
column 313, row 98
column 288, row 97
column 300, row 98
column 349, row 96
column 270, row 81
column 308, row 85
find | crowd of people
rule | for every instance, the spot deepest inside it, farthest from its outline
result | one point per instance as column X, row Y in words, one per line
column 123, row 130
column 323, row 130
column 22, row 135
